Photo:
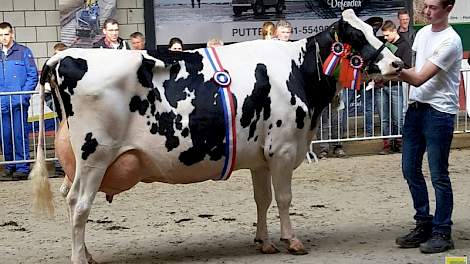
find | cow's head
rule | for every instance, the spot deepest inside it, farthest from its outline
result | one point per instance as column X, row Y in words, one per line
column 378, row 60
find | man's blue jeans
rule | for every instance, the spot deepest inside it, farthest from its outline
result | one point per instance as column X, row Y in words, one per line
column 390, row 104
column 427, row 129
column 361, row 103
column 15, row 138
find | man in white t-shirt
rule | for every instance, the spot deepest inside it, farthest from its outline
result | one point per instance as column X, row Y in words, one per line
column 429, row 126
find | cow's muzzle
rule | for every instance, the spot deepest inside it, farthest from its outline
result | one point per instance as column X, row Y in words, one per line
column 399, row 65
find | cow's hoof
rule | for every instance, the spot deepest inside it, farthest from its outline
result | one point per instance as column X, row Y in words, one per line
column 267, row 247
column 92, row 261
column 295, row 246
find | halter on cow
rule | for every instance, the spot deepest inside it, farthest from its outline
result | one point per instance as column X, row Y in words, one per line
column 131, row 118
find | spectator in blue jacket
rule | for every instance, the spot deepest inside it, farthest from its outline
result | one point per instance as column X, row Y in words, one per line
column 18, row 73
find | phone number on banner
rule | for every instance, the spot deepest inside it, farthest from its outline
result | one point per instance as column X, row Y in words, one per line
column 308, row 30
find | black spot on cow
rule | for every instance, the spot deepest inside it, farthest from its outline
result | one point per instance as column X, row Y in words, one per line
column 206, row 121
column 175, row 89
column 270, row 126
column 178, row 124
column 185, row 132
column 299, row 117
column 256, row 138
column 165, row 128
column 89, row 147
column 259, row 101
column 278, row 123
column 139, row 105
column 163, row 124
column 145, row 73
column 153, row 97
column 307, row 83
column 292, row 99
column 71, row 70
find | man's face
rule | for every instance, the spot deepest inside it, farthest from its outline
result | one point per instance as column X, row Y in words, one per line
column 138, row 43
column 6, row 37
column 283, row 33
column 390, row 35
column 434, row 12
column 404, row 20
column 111, row 32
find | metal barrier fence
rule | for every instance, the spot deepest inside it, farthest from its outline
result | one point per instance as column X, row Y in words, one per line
column 375, row 112
column 19, row 127
column 370, row 113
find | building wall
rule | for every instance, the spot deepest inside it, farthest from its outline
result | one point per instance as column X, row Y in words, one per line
column 37, row 22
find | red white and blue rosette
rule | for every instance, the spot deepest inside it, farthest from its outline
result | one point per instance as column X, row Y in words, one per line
column 356, row 63
column 330, row 64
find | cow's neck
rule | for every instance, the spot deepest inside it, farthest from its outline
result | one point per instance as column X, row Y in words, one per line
column 320, row 88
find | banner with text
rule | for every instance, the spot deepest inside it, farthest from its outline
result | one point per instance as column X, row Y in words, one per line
column 197, row 21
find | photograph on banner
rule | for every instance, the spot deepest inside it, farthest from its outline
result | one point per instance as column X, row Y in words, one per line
column 81, row 21
column 196, row 21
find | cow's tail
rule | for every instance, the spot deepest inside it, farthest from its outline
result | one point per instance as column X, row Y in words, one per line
column 42, row 194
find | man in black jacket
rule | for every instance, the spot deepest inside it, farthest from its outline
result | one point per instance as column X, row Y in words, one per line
column 391, row 99
column 111, row 39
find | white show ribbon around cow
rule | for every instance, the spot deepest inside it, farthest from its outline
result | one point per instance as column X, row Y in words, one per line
column 222, row 78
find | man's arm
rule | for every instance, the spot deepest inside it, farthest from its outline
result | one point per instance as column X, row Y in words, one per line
column 418, row 78
column 31, row 72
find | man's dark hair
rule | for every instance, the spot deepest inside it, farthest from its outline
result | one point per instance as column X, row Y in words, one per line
column 389, row 26
column 137, row 34
column 175, row 40
column 111, row 21
column 446, row 3
column 403, row 12
column 5, row 25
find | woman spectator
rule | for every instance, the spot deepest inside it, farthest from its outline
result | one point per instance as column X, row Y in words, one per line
column 175, row 44
column 268, row 30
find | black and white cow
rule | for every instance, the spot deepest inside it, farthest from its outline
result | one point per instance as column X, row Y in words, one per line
column 131, row 118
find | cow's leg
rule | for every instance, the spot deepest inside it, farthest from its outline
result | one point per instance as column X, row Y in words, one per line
column 65, row 187
column 282, row 179
column 89, row 258
column 263, row 197
column 80, row 198
column 64, row 191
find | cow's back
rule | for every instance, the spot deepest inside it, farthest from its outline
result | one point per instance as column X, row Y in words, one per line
column 174, row 124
